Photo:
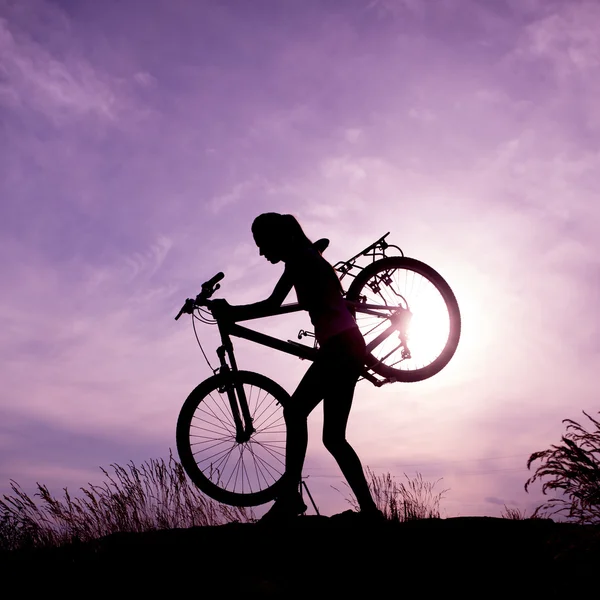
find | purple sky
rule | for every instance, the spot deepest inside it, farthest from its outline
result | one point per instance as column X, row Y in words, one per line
column 139, row 139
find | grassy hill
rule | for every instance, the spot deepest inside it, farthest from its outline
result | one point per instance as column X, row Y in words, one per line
column 476, row 557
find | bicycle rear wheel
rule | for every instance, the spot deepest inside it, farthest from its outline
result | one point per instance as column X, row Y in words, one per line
column 239, row 474
column 434, row 330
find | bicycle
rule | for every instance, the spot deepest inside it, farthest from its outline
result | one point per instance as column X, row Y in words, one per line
column 231, row 432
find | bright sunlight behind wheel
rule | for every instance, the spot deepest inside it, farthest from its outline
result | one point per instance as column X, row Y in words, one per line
column 429, row 326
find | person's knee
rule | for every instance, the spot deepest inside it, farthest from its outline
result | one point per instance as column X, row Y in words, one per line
column 334, row 442
column 292, row 413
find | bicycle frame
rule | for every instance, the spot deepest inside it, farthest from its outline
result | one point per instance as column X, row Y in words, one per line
column 375, row 251
column 228, row 364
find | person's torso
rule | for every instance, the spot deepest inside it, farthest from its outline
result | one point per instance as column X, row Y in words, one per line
column 319, row 292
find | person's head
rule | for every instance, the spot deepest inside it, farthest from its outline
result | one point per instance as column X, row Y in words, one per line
column 277, row 236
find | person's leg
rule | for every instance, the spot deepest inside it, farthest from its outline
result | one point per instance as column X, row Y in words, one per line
column 336, row 410
column 346, row 360
column 307, row 395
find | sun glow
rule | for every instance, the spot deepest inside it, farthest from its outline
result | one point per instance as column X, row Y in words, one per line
column 418, row 303
column 429, row 328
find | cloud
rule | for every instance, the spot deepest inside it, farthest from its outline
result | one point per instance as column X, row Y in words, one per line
column 395, row 8
column 353, row 134
column 567, row 38
column 559, row 48
column 235, row 195
column 421, row 114
column 342, row 168
column 149, row 262
column 93, row 321
column 145, row 79
column 59, row 89
column 494, row 500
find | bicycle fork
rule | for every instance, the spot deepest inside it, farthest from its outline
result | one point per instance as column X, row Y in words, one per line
column 236, row 395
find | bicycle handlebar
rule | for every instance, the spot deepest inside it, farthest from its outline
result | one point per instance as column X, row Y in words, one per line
column 208, row 289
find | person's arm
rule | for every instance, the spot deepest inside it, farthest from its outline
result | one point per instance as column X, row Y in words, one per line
column 263, row 308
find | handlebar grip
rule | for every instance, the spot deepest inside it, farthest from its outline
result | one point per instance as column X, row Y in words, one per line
column 186, row 308
column 213, row 280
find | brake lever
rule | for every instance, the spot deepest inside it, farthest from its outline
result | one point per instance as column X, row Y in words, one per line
column 188, row 307
column 206, row 293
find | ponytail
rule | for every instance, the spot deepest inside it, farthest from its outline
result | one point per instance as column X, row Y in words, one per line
column 292, row 228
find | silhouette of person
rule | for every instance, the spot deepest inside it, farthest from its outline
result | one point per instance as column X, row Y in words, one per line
column 331, row 378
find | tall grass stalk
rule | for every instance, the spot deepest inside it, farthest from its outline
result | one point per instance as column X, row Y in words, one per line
column 155, row 495
column 513, row 514
column 398, row 501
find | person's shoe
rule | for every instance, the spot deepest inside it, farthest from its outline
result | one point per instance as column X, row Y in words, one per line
column 374, row 516
column 284, row 508
column 364, row 517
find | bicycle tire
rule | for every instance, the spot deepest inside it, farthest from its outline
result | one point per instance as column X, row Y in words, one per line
column 238, row 474
column 369, row 287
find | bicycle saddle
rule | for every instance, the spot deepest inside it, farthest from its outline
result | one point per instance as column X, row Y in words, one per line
column 321, row 245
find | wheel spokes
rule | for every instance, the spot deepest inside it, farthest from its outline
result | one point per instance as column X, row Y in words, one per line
column 246, row 467
column 428, row 331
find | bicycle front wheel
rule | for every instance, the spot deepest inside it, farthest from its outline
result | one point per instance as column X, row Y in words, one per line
column 236, row 473
column 431, row 338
